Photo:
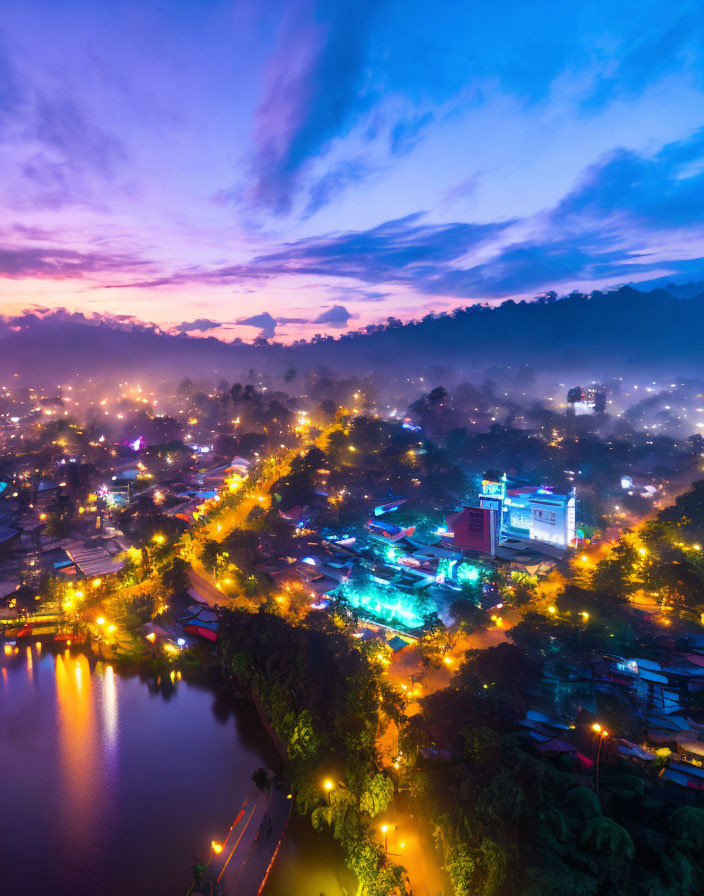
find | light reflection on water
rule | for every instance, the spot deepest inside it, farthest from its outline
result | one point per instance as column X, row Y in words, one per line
column 111, row 785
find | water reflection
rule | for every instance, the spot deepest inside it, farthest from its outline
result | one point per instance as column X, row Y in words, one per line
column 80, row 779
column 124, row 781
column 109, row 704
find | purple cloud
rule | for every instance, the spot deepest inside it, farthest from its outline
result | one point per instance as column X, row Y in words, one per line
column 315, row 90
column 265, row 322
column 60, row 263
column 201, row 323
column 336, row 316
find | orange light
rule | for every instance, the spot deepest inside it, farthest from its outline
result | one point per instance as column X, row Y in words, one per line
column 328, row 784
column 151, row 637
column 217, row 847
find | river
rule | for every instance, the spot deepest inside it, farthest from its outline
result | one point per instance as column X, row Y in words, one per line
column 111, row 784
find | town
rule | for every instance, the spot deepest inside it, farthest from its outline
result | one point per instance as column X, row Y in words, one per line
column 527, row 589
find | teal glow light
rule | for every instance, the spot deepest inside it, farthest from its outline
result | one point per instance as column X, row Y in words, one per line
column 467, row 573
column 450, row 570
column 394, row 607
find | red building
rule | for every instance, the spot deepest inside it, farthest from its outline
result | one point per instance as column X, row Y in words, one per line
column 474, row 529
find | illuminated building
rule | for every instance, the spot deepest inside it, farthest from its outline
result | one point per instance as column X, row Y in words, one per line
column 387, row 532
column 538, row 514
column 453, row 570
column 475, row 529
column 390, row 606
column 587, row 401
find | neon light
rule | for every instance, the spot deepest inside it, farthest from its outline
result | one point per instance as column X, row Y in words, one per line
column 399, row 607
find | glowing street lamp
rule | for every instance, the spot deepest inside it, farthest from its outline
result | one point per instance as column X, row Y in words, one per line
column 384, row 831
column 328, row 786
column 602, row 732
column 216, row 847
column 100, row 620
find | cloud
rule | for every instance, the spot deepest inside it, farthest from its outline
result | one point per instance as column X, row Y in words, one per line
column 328, row 187
column 60, row 263
column 656, row 192
column 406, row 133
column 649, row 59
column 522, row 267
column 613, row 224
column 402, row 250
column 9, row 89
column 39, row 315
column 335, row 316
column 264, row 321
column 201, row 323
column 316, row 88
column 62, row 126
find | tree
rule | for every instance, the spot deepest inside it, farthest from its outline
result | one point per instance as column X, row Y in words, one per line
column 175, row 576
column 242, row 545
column 378, row 794
column 261, row 780
column 209, row 554
column 613, row 849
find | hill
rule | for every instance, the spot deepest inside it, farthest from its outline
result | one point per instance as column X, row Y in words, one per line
column 605, row 333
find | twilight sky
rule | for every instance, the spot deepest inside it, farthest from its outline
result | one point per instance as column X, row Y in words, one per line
column 304, row 167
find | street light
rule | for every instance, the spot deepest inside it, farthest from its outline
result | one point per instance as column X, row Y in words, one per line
column 216, row 847
column 384, row 831
column 328, row 786
column 602, row 732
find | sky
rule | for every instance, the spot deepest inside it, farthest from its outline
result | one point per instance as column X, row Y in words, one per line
column 283, row 169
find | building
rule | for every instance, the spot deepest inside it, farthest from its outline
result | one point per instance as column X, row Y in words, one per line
column 591, row 400
column 536, row 514
column 475, row 529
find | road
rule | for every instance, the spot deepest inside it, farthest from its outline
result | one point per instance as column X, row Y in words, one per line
column 250, row 847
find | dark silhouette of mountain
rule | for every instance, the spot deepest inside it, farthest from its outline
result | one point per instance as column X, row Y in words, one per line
column 685, row 290
column 51, row 350
column 681, row 286
column 604, row 332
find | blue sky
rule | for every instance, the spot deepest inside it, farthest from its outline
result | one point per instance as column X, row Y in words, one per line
column 307, row 167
